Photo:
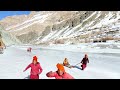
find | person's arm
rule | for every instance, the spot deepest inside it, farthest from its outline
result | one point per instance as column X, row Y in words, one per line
column 69, row 76
column 51, row 74
column 63, row 64
column 40, row 69
column 88, row 60
column 82, row 61
column 27, row 67
column 68, row 63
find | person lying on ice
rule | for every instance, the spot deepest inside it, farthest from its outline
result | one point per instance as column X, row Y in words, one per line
column 60, row 73
column 84, row 62
column 36, row 68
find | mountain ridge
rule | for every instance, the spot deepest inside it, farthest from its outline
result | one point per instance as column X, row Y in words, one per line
column 53, row 27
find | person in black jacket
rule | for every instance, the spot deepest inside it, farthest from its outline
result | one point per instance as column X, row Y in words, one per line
column 84, row 62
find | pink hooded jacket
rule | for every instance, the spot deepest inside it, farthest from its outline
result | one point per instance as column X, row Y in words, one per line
column 35, row 68
column 55, row 74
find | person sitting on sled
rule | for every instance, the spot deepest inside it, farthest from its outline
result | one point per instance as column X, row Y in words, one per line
column 84, row 62
column 65, row 62
column 36, row 69
column 60, row 73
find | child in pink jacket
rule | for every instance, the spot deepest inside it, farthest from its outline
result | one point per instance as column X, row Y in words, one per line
column 60, row 73
column 35, row 69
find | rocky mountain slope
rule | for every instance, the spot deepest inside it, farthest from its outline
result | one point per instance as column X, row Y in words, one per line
column 62, row 27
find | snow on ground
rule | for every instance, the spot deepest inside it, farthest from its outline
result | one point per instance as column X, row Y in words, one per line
column 90, row 16
column 88, row 48
column 103, row 65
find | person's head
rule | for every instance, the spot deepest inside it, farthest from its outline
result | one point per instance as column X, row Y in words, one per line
column 35, row 59
column 61, row 69
column 65, row 60
column 86, row 56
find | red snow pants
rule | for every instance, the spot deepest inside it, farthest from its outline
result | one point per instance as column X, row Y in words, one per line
column 34, row 76
column 83, row 66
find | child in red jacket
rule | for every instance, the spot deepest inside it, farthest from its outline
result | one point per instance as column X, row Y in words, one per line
column 36, row 69
column 60, row 73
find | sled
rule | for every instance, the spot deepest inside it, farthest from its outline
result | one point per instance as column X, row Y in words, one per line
column 69, row 66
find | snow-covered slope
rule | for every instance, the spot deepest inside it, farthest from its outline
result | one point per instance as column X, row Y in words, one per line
column 7, row 38
column 92, row 28
column 48, row 27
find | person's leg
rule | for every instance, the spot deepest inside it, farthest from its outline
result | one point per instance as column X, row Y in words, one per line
column 37, row 76
column 31, row 76
column 34, row 76
column 84, row 66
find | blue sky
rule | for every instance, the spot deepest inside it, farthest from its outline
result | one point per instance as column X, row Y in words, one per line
column 3, row 14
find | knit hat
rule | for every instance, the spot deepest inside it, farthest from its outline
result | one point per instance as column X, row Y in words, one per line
column 35, row 58
column 60, row 67
column 86, row 54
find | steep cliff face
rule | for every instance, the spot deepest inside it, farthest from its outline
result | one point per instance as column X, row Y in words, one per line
column 7, row 38
column 47, row 27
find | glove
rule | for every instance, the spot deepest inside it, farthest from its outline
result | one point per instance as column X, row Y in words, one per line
column 48, row 74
